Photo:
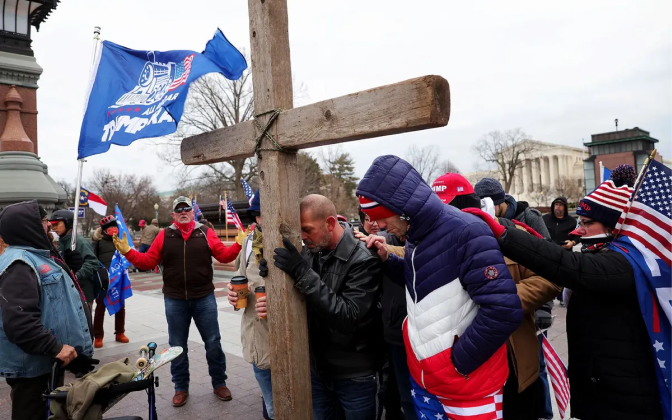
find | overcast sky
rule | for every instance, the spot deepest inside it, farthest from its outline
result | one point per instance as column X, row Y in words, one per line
column 561, row 71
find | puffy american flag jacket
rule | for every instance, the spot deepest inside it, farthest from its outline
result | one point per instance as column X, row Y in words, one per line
column 461, row 300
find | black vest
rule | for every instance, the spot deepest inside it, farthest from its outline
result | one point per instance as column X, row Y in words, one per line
column 187, row 266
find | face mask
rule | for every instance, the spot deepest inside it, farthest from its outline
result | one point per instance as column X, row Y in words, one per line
column 113, row 231
column 54, row 236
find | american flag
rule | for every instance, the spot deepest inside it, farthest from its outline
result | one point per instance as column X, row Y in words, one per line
column 558, row 374
column 197, row 210
column 232, row 216
column 182, row 72
column 431, row 407
column 648, row 216
column 248, row 191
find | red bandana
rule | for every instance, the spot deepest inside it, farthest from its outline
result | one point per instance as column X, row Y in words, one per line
column 185, row 229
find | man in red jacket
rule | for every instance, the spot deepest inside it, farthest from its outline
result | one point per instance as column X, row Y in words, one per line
column 186, row 249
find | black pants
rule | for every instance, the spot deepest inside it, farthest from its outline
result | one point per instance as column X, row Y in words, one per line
column 26, row 395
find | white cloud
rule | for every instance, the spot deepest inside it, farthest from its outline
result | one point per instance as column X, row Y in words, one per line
column 560, row 71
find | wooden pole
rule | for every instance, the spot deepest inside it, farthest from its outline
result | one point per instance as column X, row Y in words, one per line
column 226, row 216
column 279, row 175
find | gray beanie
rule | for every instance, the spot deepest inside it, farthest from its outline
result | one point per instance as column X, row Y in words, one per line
column 490, row 187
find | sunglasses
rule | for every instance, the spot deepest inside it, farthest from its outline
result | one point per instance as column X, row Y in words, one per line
column 183, row 210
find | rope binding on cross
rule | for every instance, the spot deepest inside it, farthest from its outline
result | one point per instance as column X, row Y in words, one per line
column 264, row 132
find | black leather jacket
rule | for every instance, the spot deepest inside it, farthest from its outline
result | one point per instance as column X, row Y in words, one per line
column 342, row 292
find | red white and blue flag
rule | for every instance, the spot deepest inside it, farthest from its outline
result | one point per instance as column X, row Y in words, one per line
column 430, row 407
column 644, row 237
column 248, row 191
column 232, row 216
column 558, row 374
column 120, row 284
column 197, row 210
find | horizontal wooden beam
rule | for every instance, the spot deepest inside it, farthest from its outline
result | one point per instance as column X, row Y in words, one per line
column 411, row 105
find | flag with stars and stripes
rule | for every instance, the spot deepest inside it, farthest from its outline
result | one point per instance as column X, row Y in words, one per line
column 248, row 191
column 232, row 216
column 644, row 237
column 430, row 407
column 197, row 210
column 557, row 372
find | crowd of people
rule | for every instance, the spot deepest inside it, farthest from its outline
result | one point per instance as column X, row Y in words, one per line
column 431, row 309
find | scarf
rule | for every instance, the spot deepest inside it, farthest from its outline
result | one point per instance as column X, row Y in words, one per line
column 185, row 229
column 257, row 244
column 595, row 243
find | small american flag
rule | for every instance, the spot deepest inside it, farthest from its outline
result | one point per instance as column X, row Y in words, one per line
column 182, row 72
column 232, row 216
column 248, row 191
column 558, row 374
column 647, row 217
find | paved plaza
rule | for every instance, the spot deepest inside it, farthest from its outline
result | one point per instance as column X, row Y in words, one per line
column 146, row 321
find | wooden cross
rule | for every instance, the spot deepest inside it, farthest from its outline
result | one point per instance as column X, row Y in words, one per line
column 415, row 104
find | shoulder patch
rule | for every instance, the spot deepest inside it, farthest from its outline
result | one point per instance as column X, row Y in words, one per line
column 44, row 269
column 491, row 273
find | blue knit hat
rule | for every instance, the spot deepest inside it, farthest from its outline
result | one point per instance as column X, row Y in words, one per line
column 255, row 206
column 490, row 187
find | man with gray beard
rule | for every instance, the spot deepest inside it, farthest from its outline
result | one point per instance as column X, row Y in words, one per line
column 341, row 281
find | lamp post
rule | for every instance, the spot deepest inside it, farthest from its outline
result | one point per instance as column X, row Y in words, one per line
column 156, row 211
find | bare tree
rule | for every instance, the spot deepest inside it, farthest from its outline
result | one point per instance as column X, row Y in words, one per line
column 448, row 166
column 541, row 196
column 568, row 187
column 425, row 161
column 504, row 152
column 69, row 191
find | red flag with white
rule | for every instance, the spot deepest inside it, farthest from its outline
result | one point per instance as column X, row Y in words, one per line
column 557, row 372
column 92, row 201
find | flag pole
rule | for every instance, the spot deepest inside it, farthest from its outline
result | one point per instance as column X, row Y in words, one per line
column 226, row 222
column 638, row 184
column 220, row 208
column 78, row 190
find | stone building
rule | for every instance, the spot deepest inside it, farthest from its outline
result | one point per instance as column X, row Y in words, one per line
column 23, row 176
column 540, row 171
column 631, row 146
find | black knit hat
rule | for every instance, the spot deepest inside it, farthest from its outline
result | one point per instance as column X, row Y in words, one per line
column 490, row 187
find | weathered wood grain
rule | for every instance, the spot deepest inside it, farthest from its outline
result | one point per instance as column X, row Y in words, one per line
column 411, row 105
column 278, row 173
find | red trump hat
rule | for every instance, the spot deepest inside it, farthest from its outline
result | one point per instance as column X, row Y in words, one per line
column 450, row 185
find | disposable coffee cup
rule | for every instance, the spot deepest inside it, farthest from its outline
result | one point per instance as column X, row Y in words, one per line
column 260, row 292
column 239, row 285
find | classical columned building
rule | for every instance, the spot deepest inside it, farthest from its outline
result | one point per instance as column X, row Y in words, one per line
column 540, row 170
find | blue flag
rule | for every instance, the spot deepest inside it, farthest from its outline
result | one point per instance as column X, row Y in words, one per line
column 652, row 280
column 123, row 231
column 139, row 94
column 197, row 210
column 120, row 284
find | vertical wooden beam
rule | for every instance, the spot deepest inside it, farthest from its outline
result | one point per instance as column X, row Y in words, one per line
column 278, row 172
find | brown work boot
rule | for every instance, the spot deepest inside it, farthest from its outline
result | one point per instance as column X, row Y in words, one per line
column 120, row 338
column 98, row 342
column 223, row 393
column 180, row 398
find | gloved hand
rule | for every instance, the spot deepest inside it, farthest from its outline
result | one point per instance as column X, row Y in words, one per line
column 243, row 234
column 81, row 364
column 496, row 228
column 73, row 259
column 263, row 268
column 542, row 319
column 290, row 260
column 121, row 244
column 528, row 229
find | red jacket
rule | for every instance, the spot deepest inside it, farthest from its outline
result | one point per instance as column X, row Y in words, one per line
column 188, row 272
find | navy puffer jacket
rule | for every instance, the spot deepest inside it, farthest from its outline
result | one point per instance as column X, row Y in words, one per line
column 461, row 298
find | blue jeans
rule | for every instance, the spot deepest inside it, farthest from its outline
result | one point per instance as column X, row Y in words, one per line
column 356, row 398
column 263, row 377
column 143, row 248
column 403, row 381
column 545, row 406
column 179, row 313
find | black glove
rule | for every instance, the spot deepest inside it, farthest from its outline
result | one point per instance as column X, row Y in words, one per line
column 82, row 364
column 73, row 259
column 290, row 260
column 263, row 268
column 542, row 319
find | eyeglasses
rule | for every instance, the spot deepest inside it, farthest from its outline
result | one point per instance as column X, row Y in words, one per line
column 370, row 222
column 182, row 210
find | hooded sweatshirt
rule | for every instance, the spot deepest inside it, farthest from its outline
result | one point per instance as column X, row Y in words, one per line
column 461, row 300
column 21, row 225
column 559, row 228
